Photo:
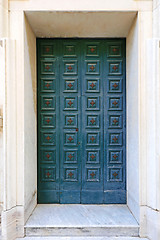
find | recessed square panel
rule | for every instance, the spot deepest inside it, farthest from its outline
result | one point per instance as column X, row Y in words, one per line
column 71, row 174
column 48, row 138
column 48, row 174
column 93, row 175
column 48, row 85
column 92, row 156
column 47, row 50
column 93, row 139
column 115, row 139
column 48, row 67
column 48, row 120
column 93, row 121
column 70, row 138
column 70, row 156
column 92, row 50
column 48, row 103
column 115, row 174
column 115, row 120
column 70, row 103
column 115, row 67
column 115, row 49
column 70, row 85
column 93, row 85
column 115, row 156
column 93, row 103
column 114, row 85
column 71, row 121
column 70, row 67
column 48, row 156
column 69, row 50
column 92, row 67
column 115, row 103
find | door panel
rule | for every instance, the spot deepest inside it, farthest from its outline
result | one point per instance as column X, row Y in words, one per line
column 48, row 122
column 81, row 121
column 92, row 123
column 70, row 112
column 114, row 127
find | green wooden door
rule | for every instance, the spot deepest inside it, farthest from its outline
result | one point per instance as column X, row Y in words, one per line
column 81, row 121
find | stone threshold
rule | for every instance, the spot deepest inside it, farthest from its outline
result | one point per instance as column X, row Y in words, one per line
column 82, row 238
column 68, row 220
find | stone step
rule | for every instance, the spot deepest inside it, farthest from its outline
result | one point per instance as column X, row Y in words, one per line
column 82, row 220
column 81, row 238
column 108, row 231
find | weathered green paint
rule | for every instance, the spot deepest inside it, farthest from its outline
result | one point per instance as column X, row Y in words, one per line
column 81, row 121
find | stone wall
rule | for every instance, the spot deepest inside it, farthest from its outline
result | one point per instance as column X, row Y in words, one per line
column 18, row 104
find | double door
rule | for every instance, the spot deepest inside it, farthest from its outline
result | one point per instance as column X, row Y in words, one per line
column 81, row 121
